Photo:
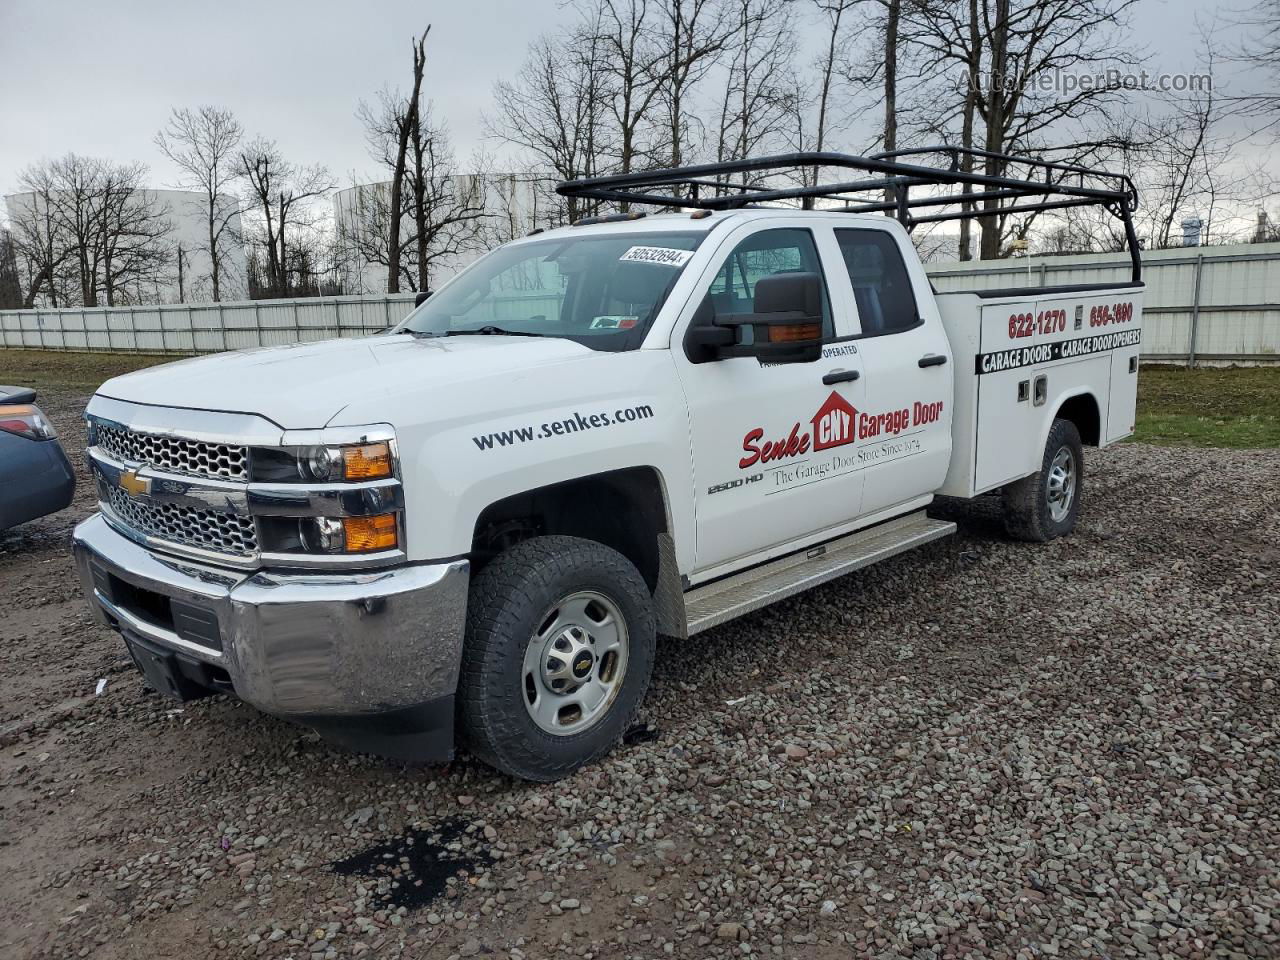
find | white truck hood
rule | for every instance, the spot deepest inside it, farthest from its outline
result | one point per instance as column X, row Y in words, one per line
column 306, row 385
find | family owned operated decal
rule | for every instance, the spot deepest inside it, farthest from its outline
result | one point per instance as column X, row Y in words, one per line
column 1061, row 350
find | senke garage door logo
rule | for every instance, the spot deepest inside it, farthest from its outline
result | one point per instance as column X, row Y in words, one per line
column 836, row 424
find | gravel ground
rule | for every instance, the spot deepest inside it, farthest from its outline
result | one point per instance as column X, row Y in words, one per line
column 979, row 749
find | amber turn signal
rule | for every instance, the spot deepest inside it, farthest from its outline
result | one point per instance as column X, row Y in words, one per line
column 364, row 534
column 790, row 332
column 368, row 461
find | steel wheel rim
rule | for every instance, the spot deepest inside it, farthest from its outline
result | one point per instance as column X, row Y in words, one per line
column 575, row 663
column 1060, row 490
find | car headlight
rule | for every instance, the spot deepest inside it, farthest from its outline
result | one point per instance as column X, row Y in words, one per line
column 357, row 461
column 350, row 534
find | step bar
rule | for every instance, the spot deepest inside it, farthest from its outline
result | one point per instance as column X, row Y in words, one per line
column 741, row 593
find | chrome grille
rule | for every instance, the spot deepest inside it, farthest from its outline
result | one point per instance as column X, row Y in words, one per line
column 206, row 529
column 173, row 454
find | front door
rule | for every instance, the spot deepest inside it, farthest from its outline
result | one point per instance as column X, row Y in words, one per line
column 769, row 440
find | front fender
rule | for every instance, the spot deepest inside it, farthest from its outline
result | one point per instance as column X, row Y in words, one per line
column 487, row 440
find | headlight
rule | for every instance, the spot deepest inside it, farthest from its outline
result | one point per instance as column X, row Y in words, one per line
column 359, row 461
column 350, row 534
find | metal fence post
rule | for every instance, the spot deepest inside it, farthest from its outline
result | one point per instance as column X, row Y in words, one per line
column 257, row 324
column 1195, row 312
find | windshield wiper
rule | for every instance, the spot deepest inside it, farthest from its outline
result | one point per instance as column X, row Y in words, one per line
column 491, row 331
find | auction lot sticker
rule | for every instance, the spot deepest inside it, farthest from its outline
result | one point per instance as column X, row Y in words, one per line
column 667, row 256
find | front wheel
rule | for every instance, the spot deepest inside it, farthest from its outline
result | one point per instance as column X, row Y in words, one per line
column 1046, row 504
column 559, row 648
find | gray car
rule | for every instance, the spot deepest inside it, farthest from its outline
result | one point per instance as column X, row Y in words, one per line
column 35, row 476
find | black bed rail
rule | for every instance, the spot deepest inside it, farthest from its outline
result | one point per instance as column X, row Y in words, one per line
column 1046, row 185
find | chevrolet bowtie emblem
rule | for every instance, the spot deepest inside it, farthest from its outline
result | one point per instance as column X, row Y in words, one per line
column 133, row 484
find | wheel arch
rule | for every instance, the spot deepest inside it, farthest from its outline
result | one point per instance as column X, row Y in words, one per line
column 1083, row 410
column 626, row 509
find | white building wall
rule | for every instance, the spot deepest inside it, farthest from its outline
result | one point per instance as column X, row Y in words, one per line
column 512, row 209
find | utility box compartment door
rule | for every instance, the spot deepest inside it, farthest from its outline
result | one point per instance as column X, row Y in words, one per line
column 1122, row 414
column 1008, row 415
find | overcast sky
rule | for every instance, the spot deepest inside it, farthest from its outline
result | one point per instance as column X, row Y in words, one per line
column 99, row 76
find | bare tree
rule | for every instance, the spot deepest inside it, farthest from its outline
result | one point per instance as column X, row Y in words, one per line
column 87, row 230
column 10, row 282
column 40, row 244
column 280, row 195
column 760, row 97
column 76, row 198
column 1261, row 49
column 440, row 211
column 1015, row 61
column 203, row 144
column 400, row 115
column 633, row 67
column 1182, row 159
column 691, row 36
column 133, row 229
column 448, row 207
column 836, row 16
column 554, row 111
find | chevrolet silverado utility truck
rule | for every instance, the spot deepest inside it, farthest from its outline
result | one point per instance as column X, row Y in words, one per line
column 471, row 528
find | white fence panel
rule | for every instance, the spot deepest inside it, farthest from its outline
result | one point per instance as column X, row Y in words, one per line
column 1214, row 303
column 1209, row 303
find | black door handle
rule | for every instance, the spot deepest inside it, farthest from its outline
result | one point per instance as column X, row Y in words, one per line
column 840, row 376
column 933, row 360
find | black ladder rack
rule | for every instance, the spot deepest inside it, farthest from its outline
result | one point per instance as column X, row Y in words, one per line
column 1047, row 185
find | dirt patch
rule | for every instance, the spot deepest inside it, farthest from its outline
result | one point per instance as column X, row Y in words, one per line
column 979, row 748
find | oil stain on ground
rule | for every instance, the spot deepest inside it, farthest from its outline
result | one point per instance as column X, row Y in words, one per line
column 418, row 864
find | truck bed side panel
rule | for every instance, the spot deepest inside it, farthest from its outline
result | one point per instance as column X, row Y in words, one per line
column 1035, row 353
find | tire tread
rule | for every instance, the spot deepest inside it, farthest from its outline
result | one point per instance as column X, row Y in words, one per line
column 518, row 579
column 1026, row 514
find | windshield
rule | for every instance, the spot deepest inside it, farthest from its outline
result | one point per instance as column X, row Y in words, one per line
column 601, row 290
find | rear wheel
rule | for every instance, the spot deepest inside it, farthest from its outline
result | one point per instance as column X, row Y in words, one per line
column 559, row 649
column 1046, row 504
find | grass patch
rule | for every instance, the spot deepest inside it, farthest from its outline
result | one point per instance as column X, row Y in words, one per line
column 43, row 369
column 1236, row 407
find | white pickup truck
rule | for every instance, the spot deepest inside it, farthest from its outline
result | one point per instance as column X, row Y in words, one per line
column 591, row 436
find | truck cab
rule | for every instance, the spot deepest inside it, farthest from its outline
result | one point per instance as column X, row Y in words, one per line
column 592, row 436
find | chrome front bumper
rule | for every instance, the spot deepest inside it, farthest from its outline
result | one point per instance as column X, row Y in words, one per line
column 331, row 650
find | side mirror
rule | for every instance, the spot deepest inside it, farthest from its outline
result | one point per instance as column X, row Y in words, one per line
column 785, row 327
column 421, row 298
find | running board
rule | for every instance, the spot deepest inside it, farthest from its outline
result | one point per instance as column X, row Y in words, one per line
column 741, row 593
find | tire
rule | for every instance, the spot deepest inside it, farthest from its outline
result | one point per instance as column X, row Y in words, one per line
column 554, row 602
column 1035, row 507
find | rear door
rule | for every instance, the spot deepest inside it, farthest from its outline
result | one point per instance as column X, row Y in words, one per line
column 904, row 424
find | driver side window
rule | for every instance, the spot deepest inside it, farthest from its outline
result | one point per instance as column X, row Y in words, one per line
column 764, row 254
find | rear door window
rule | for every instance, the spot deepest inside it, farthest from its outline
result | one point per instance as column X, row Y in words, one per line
column 881, row 286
